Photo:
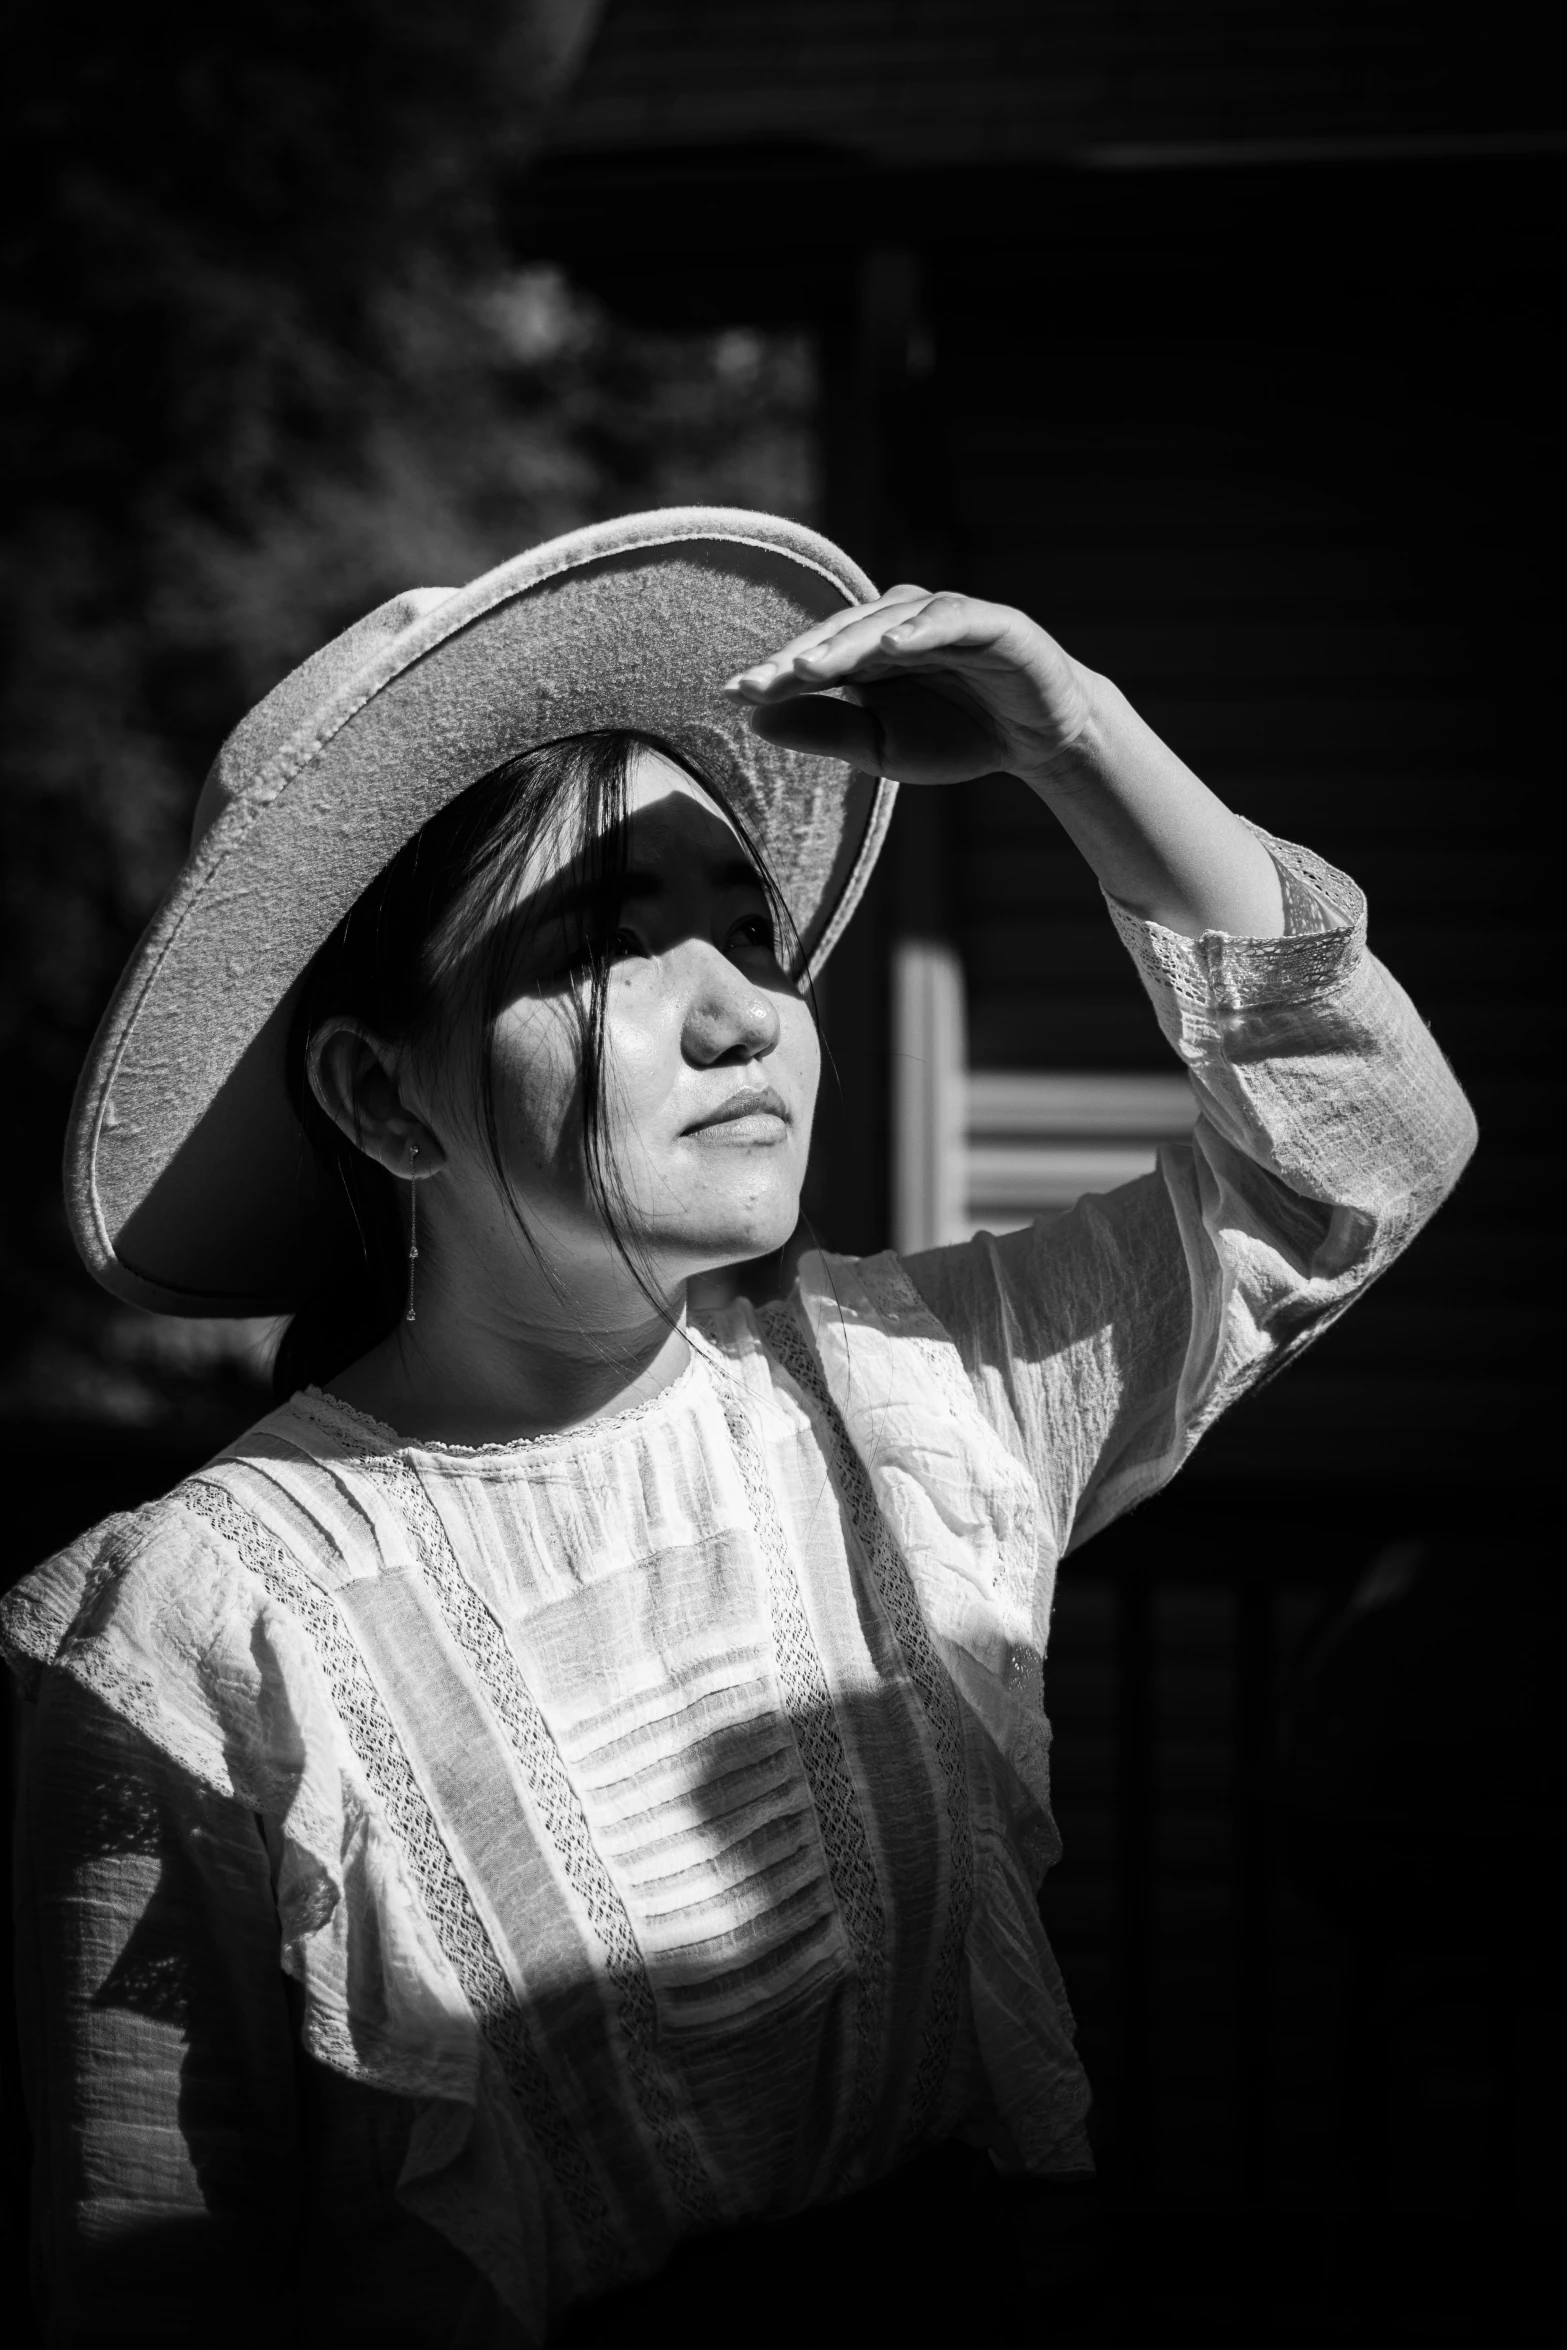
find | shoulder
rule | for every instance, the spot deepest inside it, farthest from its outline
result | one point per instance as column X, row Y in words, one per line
column 862, row 1309
column 182, row 1568
column 62, row 1597
column 184, row 1531
column 188, row 1616
column 835, row 1308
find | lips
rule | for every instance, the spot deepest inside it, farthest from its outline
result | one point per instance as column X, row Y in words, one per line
column 752, row 1101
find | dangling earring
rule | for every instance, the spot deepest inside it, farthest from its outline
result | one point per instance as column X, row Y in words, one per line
column 413, row 1229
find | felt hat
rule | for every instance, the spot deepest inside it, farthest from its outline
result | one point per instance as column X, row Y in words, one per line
column 189, row 1183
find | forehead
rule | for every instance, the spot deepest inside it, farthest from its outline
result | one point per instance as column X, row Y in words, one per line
column 658, row 790
column 672, row 823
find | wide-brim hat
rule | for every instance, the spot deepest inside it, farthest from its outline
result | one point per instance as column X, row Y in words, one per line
column 189, row 1183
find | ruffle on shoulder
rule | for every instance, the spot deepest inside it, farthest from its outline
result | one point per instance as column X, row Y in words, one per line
column 160, row 1615
column 157, row 1616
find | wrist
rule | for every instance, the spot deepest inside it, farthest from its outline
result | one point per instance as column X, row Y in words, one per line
column 1077, row 753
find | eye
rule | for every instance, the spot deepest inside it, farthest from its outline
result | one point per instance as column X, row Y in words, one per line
column 753, row 935
column 579, row 957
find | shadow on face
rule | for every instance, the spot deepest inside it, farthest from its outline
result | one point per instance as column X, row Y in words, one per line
column 652, row 1065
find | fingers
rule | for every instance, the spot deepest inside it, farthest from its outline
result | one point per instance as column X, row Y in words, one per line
column 878, row 642
column 750, row 682
column 945, row 620
column 826, row 631
column 903, row 629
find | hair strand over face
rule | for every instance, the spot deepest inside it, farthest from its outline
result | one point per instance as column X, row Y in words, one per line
column 425, row 961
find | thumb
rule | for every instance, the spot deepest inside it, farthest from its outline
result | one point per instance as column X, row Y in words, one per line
column 818, row 723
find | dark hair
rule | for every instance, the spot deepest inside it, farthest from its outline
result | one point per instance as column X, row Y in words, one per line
column 428, row 945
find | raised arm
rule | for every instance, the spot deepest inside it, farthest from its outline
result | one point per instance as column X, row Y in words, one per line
column 1102, row 1343
column 948, row 688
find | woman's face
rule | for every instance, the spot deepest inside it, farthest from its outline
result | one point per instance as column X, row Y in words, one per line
column 711, row 1059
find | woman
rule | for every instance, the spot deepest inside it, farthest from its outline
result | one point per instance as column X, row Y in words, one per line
column 573, row 1779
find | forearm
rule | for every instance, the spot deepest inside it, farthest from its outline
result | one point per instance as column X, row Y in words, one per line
column 1157, row 838
column 1102, row 1343
column 942, row 689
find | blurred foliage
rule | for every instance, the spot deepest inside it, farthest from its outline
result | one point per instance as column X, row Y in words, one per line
column 269, row 363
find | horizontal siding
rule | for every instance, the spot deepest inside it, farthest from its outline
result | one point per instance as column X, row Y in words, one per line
column 956, row 78
column 1301, row 561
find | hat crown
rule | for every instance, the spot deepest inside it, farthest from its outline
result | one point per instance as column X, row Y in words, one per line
column 249, row 750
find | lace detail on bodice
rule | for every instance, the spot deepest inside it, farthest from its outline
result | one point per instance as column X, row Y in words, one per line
column 376, row 1436
column 457, row 1923
column 936, row 1693
column 808, row 1704
column 564, row 1820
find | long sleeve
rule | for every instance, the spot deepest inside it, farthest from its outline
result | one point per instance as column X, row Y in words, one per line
column 156, row 2043
column 1102, row 1343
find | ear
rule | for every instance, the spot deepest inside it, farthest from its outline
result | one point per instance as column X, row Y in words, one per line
column 355, row 1076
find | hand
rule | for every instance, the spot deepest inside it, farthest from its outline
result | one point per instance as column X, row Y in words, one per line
column 943, row 688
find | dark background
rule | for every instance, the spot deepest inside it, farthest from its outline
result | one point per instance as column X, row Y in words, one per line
column 1221, row 338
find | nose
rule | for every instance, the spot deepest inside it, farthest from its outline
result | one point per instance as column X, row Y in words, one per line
column 727, row 1016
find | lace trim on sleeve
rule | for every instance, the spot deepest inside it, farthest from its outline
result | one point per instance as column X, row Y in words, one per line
column 929, row 1677
column 1323, row 941
column 1305, row 916
column 457, row 1923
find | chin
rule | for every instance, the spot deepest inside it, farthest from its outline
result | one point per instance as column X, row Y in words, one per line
column 741, row 1240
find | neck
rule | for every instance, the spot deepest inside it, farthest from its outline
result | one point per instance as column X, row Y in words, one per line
column 472, row 1372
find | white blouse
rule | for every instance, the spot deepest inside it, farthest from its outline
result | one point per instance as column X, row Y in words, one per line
column 656, row 1812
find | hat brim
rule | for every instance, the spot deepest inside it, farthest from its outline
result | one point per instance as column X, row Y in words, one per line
column 189, row 1183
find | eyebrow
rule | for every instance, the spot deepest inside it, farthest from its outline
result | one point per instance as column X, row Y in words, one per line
column 570, row 896
column 728, row 873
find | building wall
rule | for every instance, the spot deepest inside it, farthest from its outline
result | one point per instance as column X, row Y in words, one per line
column 1274, row 454
column 953, row 81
